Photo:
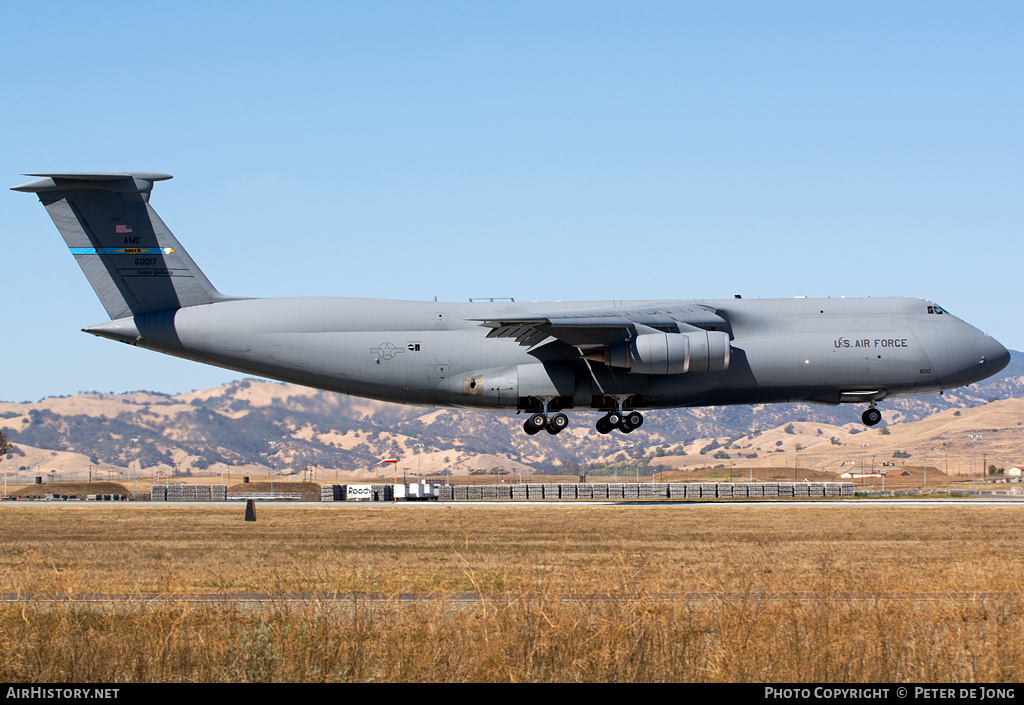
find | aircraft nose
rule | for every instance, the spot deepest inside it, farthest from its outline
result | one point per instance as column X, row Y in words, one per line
column 994, row 357
column 963, row 355
column 982, row 357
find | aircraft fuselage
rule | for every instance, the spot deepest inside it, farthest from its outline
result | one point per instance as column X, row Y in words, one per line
column 438, row 354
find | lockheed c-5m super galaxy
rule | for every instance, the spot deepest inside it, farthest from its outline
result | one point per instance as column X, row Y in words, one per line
column 613, row 357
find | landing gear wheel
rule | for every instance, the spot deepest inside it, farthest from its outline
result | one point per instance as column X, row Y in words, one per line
column 603, row 426
column 871, row 417
column 556, row 423
column 625, row 426
column 613, row 418
column 635, row 418
column 535, row 423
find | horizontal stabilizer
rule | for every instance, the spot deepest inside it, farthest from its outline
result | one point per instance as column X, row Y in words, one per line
column 49, row 182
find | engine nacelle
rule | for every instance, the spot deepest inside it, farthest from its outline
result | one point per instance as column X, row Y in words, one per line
column 672, row 353
column 709, row 351
column 661, row 354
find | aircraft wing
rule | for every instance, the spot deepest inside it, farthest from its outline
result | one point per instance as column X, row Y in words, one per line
column 601, row 327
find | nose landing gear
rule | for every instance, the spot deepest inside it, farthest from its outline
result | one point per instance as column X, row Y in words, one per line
column 872, row 416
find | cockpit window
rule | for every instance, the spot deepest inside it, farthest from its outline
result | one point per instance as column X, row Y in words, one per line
column 935, row 309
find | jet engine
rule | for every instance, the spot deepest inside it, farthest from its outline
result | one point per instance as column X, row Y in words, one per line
column 658, row 353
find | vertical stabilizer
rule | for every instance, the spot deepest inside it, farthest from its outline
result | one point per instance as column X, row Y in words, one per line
column 132, row 260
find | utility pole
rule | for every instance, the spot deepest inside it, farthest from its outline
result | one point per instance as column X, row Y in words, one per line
column 273, row 447
column 863, row 470
column 135, row 441
column 974, row 470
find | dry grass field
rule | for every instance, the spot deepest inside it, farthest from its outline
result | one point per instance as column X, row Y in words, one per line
column 583, row 593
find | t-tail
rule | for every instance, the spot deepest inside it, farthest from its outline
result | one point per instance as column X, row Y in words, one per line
column 134, row 263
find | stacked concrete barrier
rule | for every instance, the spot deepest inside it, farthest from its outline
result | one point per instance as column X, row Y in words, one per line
column 333, row 493
column 179, row 492
column 648, row 491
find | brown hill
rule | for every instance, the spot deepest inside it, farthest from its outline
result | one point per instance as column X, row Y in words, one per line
column 80, row 489
column 257, row 428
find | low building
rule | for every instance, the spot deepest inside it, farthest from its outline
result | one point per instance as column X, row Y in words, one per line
column 862, row 473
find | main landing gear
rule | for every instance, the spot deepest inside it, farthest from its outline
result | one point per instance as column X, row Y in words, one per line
column 626, row 423
column 540, row 422
column 555, row 424
column 872, row 416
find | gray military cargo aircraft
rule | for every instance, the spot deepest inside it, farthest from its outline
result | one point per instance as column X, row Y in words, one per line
column 614, row 357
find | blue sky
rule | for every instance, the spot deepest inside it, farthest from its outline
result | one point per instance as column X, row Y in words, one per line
column 540, row 150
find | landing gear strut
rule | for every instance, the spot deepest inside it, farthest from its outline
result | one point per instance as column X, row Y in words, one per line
column 872, row 416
